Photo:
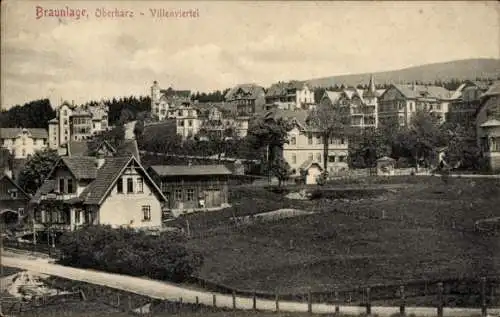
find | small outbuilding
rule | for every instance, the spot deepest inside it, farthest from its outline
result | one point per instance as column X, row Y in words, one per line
column 312, row 171
column 386, row 166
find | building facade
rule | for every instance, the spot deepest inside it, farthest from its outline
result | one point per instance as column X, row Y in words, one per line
column 465, row 105
column 165, row 101
column 13, row 200
column 305, row 144
column 399, row 103
column 246, row 99
column 77, row 123
column 193, row 187
column 23, row 143
column 290, row 95
column 113, row 191
column 222, row 120
column 488, row 127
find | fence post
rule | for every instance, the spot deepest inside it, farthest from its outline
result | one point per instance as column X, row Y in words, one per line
column 337, row 303
column 254, row 299
column 234, row 300
column 214, row 300
column 309, row 302
column 402, row 304
column 440, row 300
column 483, row 297
column 197, row 302
column 277, row 302
column 129, row 303
column 368, row 302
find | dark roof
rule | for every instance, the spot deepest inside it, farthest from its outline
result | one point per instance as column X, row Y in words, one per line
column 3, row 196
column 78, row 148
column 244, row 91
column 82, row 167
column 12, row 133
column 281, row 88
column 307, row 164
column 95, row 192
column 113, row 167
column 300, row 116
column 418, row 91
column 190, row 170
column 493, row 90
column 47, row 187
column 170, row 92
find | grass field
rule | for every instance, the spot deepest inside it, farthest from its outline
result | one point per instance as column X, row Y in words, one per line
column 422, row 229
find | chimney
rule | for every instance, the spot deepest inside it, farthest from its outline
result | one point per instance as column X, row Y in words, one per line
column 99, row 160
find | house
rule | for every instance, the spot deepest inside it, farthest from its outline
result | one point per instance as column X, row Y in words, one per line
column 306, row 143
column 219, row 119
column 386, row 166
column 193, row 187
column 74, row 122
column 13, row 200
column 399, row 103
column 466, row 102
column 23, row 142
column 85, row 190
column 488, row 127
column 165, row 101
column 290, row 95
column 361, row 105
column 246, row 99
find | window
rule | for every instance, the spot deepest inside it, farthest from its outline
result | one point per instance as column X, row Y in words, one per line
column 146, row 211
column 190, row 194
column 13, row 193
column 318, row 157
column 190, row 123
column 181, row 123
column 178, row 194
column 24, row 152
column 20, row 211
column 341, row 158
column 78, row 218
column 24, row 141
column 310, row 139
column 70, row 185
column 293, row 140
column 130, row 185
column 294, row 159
column 310, row 156
column 140, row 185
column 61, row 185
column 119, row 186
column 331, row 159
column 342, row 141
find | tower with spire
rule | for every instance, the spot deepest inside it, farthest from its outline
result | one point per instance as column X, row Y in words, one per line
column 370, row 98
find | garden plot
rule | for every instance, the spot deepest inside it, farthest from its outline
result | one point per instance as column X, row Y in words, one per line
column 28, row 285
column 273, row 215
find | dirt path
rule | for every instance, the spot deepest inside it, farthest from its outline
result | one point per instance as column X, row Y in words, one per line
column 163, row 290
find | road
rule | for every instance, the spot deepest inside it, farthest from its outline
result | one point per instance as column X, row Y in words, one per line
column 169, row 291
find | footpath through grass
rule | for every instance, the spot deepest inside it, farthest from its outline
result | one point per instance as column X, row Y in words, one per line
column 421, row 230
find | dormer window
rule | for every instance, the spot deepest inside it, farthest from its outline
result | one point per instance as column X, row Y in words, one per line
column 13, row 193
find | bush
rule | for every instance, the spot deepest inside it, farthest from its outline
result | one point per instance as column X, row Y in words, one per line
column 126, row 251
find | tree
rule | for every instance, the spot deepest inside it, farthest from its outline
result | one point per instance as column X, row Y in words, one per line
column 330, row 120
column 281, row 170
column 269, row 134
column 37, row 169
column 421, row 138
column 33, row 114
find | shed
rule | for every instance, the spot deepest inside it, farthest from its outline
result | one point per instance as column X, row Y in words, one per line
column 385, row 166
column 312, row 171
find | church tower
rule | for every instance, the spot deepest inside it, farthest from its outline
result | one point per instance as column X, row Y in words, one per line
column 155, row 99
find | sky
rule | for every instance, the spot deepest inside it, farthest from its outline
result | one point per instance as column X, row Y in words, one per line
column 227, row 43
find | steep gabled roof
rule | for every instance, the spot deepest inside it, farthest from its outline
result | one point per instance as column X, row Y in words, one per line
column 250, row 91
column 493, row 90
column 332, row 95
column 12, row 133
column 113, row 168
column 298, row 116
column 6, row 178
column 418, row 91
column 47, row 187
column 310, row 162
column 82, row 167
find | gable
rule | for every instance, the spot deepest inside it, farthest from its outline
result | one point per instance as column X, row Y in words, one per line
column 108, row 175
column 8, row 187
column 392, row 94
